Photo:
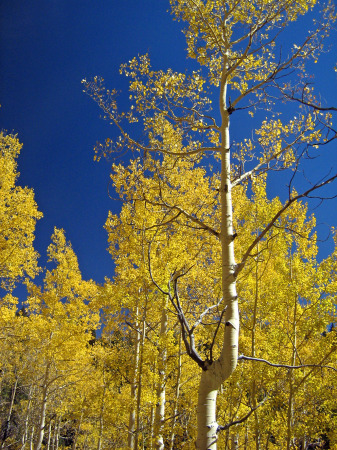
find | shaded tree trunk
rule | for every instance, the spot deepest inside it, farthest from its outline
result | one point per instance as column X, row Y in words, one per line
column 42, row 418
column 26, row 422
column 101, row 418
column 9, row 415
column 78, row 429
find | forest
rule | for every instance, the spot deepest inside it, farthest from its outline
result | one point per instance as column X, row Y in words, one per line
column 218, row 329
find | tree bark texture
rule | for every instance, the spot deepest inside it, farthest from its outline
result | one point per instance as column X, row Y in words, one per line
column 218, row 371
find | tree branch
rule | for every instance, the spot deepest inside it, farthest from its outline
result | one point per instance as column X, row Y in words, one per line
column 285, row 366
column 241, row 265
column 243, row 419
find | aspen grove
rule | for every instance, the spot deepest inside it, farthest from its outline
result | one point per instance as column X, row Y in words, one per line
column 218, row 328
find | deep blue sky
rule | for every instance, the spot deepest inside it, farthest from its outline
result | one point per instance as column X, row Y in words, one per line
column 46, row 48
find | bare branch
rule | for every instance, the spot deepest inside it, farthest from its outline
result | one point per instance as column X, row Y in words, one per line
column 285, row 366
column 150, row 270
column 186, row 214
column 186, row 333
column 261, row 165
column 215, row 334
column 243, row 419
column 202, row 315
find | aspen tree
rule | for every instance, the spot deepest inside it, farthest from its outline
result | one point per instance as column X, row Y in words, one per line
column 237, row 45
column 62, row 323
column 18, row 217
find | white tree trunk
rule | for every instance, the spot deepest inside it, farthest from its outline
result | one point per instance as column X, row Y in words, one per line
column 101, row 417
column 176, row 400
column 132, row 415
column 25, row 433
column 140, row 375
column 218, row 371
column 160, row 407
column 207, row 425
column 290, row 412
column 57, row 432
column 31, row 438
column 42, row 419
column 49, row 435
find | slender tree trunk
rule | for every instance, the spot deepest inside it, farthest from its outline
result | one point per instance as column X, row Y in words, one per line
column 215, row 373
column 101, row 417
column 254, row 400
column 78, row 429
column 235, row 441
column 26, row 422
column 32, row 438
column 267, row 441
column 290, row 412
column 56, row 436
column 246, row 438
column 9, row 415
column 132, row 416
column 176, row 400
column 49, row 435
column 161, row 392
column 152, row 426
column 140, row 374
column 42, row 419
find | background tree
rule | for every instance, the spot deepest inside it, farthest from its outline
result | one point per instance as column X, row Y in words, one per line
column 18, row 216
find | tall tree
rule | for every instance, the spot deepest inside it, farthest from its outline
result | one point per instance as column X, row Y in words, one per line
column 239, row 48
column 63, row 315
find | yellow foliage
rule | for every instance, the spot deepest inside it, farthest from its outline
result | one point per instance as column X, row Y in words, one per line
column 18, row 216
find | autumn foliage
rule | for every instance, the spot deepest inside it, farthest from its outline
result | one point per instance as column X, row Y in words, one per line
column 141, row 361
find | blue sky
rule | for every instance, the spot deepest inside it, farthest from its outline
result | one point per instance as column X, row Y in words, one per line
column 46, row 48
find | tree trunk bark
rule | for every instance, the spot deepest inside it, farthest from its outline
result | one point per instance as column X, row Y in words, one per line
column 31, row 438
column 101, row 417
column 25, row 432
column 140, row 374
column 207, row 425
column 160, row 407
column 290, row 412
column 49, row 435
column 132, row 416
column 56, row 434
column 42, row 419
column 254, row 400
column 9, row 415
column 176, row 400
column 216, row 372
